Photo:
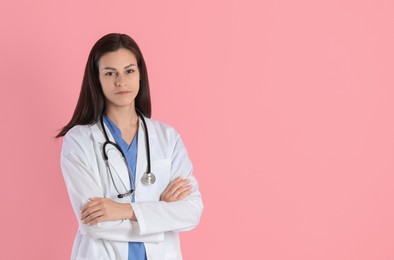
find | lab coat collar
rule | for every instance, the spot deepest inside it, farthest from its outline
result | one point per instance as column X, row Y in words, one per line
column 98, row 134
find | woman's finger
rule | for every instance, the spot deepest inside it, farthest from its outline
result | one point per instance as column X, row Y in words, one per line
column 95, row 219
column 180, row 190
column 184, row 194
column 178, row 185
column 90, row 211
column 92, row 202
column 179, row 194
column 92, row 217
column 170, row 185
column 173, row 183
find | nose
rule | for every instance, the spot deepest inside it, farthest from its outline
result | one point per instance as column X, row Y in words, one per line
column 120, row 80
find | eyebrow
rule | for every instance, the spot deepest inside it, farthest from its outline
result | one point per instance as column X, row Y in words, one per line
column 128, row 66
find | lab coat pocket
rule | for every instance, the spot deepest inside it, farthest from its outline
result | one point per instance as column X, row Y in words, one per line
column 162, row 170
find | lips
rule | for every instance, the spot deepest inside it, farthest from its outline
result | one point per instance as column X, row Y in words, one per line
column 122, row 92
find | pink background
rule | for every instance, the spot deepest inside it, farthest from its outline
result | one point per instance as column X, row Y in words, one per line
column 286, row 108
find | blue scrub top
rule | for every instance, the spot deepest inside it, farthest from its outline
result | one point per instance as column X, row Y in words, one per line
column 136, row 249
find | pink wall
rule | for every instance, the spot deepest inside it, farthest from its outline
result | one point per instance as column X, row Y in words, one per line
column 286, row 108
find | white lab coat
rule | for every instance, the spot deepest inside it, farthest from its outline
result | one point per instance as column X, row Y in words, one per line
column 159, row 223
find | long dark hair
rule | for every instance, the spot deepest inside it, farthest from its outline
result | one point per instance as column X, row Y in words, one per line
column 91, row 102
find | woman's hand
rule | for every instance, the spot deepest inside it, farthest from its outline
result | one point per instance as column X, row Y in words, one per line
column 177, row 189
column 101, row 209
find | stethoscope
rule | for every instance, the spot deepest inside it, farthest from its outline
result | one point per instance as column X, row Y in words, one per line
column 148, row 178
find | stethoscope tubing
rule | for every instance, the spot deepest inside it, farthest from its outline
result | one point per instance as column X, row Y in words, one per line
column 148, row 177
column 147, row 145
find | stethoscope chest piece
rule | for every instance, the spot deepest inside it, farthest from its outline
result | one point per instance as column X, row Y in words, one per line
column 148, row 178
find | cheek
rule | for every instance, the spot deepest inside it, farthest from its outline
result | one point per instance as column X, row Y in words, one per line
column 135, row 80
column 105, row 86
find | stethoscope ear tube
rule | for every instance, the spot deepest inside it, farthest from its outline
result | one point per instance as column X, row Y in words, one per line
column 147, row 145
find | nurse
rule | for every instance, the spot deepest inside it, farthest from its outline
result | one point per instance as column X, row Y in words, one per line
column 145, row 223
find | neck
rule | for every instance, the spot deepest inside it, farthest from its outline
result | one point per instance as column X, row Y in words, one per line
column 124, row 117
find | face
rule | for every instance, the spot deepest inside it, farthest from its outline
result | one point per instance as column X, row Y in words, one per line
column 119, row 77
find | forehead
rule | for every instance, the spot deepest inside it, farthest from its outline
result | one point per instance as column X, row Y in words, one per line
column 119, row 58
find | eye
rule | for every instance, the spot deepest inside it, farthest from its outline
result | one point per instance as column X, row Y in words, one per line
column 129, row 71
column 110, row 73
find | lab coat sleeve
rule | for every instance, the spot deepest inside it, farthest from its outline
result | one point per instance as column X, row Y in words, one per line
column 84, row 183
column 183, row 215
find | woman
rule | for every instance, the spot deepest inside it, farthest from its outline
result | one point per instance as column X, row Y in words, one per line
column 123, row 210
